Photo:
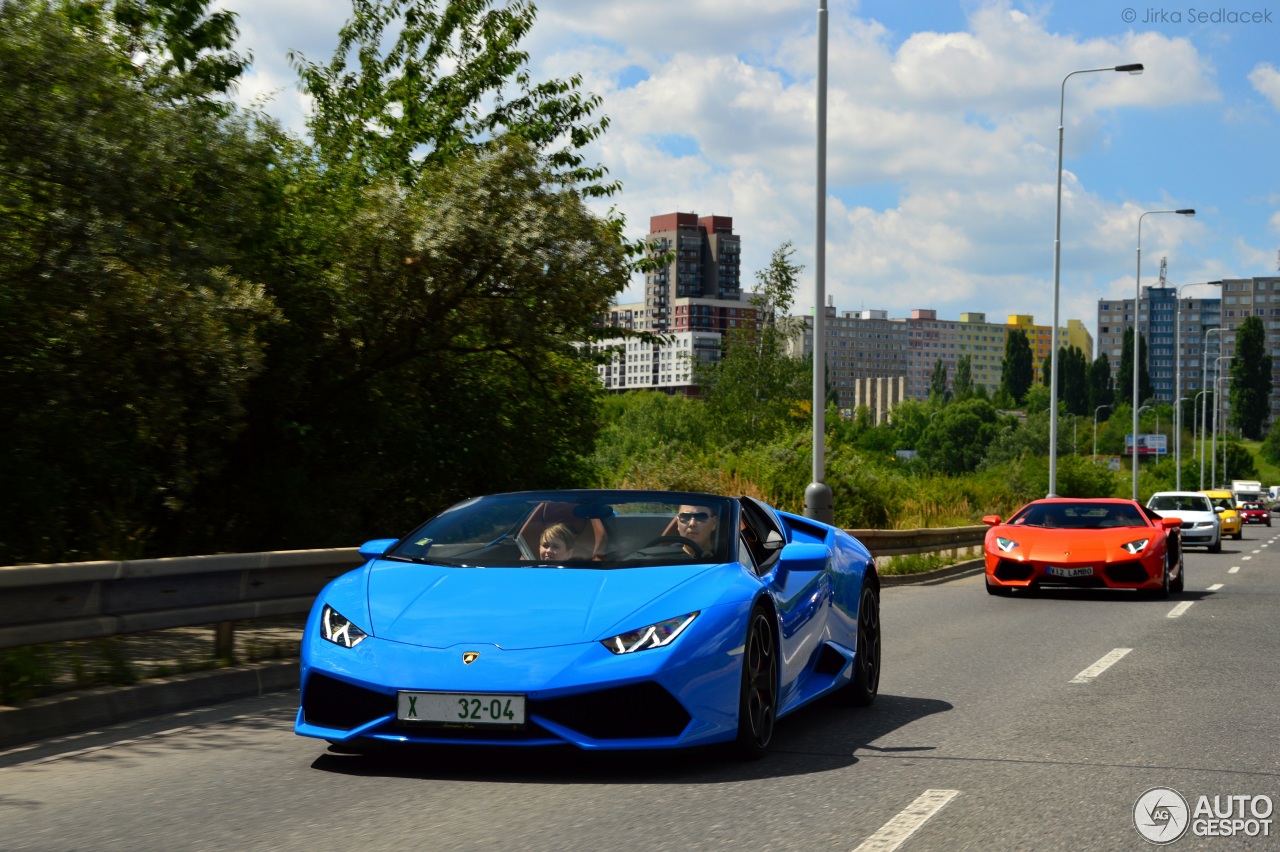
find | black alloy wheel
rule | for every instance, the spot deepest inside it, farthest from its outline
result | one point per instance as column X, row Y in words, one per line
column 866, row 670
column 758, row 703
column 1177, row 585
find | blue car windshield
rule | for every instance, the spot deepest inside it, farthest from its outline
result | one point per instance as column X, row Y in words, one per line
column 576, row 529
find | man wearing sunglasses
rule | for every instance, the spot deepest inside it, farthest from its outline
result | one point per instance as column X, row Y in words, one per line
column 698, row 524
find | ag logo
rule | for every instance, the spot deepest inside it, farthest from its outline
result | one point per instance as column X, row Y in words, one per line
column 1161, row 815
column 469, row 657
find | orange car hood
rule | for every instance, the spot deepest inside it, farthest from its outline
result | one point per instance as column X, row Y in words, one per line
column 1067, row 545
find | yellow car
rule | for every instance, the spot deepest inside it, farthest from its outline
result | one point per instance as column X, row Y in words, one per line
column 1225, row 505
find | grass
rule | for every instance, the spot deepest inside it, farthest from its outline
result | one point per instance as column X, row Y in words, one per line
column 919, row 563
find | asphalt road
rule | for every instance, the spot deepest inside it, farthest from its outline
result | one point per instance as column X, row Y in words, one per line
column 999, row 726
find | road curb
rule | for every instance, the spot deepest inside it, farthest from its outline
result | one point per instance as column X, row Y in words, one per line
column 924, row 578
column 74, row 712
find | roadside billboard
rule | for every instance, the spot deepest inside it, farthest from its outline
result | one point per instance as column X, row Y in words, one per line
column 1148, row 445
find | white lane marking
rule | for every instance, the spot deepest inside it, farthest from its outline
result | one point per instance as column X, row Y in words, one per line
column 1245, row 558
column 1101, row 666
column 895, row 832
column 1214, row 587
column 1256, row 551
column 1178, row 610
column 1235, row 570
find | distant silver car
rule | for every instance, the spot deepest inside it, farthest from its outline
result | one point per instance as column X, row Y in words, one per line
column 1200, row 522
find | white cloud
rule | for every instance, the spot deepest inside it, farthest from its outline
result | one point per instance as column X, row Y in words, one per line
column 1266, row 80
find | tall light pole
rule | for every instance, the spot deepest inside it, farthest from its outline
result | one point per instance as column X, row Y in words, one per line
column 1204, row 378
column 1095, row 431
column 1133, row 68
column 1177, row 378
column 817, row 497
column 1197, row 437
column 1217, row 405
column 1137, row 337
column 1177, row 438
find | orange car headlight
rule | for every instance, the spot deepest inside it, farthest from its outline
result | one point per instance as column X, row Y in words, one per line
column 1136, row 546
column 1005, row 544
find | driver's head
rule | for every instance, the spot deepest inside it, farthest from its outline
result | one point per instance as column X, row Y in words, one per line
column 697, row 523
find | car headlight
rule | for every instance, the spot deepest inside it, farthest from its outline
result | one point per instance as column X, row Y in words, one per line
column 1136, row 546
column 653, row 636
column 1005, row 544
column 338, row 629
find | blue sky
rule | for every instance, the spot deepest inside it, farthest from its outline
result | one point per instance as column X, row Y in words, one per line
column 943, row 122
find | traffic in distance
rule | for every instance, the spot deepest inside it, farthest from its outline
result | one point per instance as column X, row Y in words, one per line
column 1114, row 543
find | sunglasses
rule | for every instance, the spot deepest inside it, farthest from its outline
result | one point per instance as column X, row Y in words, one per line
column 686, row 517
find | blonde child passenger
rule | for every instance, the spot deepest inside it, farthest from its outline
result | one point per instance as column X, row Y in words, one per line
column 556, row 543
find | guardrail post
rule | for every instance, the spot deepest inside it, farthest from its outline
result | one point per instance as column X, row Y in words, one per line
column 224, row 640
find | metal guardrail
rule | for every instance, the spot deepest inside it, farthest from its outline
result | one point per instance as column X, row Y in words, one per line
column 902, row 542
column 90, row 600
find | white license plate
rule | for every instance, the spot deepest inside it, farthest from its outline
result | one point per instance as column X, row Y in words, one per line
column 462, row 709
column 1070, row 572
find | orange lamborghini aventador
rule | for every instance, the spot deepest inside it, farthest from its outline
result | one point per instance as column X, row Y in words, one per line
column 1084, row 543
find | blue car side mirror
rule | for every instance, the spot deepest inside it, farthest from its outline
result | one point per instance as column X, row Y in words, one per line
column 377, row 547
column 799, row 556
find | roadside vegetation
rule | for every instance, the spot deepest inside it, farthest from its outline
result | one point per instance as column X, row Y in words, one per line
column 218, row 336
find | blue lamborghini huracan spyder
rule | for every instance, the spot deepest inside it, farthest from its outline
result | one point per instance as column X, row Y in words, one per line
column 600, row 619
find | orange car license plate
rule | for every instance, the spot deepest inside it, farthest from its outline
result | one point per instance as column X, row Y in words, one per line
column 1056, row 571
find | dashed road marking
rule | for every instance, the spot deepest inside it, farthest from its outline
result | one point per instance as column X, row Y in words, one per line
column 895, row 832
column 1234, row 570
column 1214, row 587
column 1178, row 610
column 1245, row 558
column 1101, row 666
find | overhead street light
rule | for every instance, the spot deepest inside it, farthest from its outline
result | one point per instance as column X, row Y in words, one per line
column 1137, row 337
column 1217, row 406
column 1095, row 431
column 1177, row 378
column 1204, row 377
column 817, row 496
column 1132, row 68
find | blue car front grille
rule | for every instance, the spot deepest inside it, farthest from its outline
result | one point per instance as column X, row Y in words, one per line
column 636, row 711
column 331, row 703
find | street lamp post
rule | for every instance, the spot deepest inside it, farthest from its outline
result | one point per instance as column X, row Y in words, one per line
column 1177, row 378
column 1213, row 459
column 1137, row 338
column 817, row 496
column 1197, row 437
column 1204, row 377
column 1133, row 68
column 1095, row 431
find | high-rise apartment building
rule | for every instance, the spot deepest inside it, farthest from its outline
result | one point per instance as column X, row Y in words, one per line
column 695, row 299
column 1159, row 319
column 1204, row 327
column 869, row 345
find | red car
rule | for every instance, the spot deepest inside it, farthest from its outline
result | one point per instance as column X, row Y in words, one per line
column 1102, row 543
column 1254, row 513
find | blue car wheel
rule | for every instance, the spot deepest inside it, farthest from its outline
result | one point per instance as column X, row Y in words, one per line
column 758, row 706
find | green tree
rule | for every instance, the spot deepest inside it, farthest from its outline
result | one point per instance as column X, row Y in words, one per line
column 1124, row 372
column 178, row 49
column 963, row 381
column 1101, row 385
column 436, row 349
column 130, row 320
column 1074, row 376
column 1271, row 444
column 414, row 83
column 757, row 388
column 955, row 441
column 1017, row 370
column 1250, row 379
column 938, row 383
